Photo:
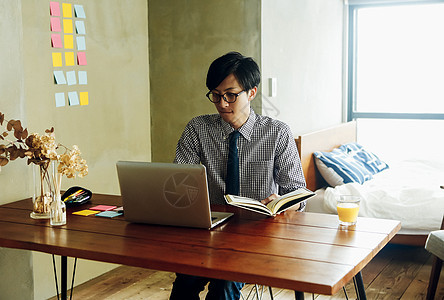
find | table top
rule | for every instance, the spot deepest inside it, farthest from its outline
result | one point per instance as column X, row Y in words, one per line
column 307, row 252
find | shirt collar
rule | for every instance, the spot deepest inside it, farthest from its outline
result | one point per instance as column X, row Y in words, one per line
column 245, row 130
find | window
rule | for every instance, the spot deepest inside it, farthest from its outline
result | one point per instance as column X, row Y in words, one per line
column 396, row 72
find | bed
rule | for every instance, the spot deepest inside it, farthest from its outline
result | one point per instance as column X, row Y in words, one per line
column 418, row 215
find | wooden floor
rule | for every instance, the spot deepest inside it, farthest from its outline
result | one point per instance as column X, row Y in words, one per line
column 397, row 272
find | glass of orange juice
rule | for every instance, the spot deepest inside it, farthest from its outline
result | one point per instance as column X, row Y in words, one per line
column 348, row 209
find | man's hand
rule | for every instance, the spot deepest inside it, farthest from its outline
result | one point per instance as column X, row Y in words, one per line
column 274, row 196
column 269, row 199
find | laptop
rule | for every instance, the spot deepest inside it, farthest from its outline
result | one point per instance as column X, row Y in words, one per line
column 167, row 194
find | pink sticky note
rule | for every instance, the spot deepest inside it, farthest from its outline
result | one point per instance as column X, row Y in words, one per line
column 103, row 207
column 55, row 24
column 56, row 40
column 54, row 8
column 81, row 58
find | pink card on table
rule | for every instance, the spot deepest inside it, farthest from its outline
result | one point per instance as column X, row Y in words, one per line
column 103, row 207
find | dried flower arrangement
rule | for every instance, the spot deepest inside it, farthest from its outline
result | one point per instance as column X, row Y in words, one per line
column 40, row 150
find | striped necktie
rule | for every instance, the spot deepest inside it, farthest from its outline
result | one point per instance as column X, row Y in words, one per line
column 232, row 180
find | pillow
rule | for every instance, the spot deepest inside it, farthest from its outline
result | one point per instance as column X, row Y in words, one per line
column 370, row 160
column 338, row 168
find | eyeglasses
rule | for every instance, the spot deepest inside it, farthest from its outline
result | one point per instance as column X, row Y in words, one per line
column 228, row 97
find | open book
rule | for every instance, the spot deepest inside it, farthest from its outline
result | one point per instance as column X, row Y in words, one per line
column 273, row 207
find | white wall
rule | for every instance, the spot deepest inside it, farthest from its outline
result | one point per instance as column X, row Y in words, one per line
column 302, row 45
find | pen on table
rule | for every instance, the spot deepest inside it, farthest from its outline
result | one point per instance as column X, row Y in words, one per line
column 74, row 195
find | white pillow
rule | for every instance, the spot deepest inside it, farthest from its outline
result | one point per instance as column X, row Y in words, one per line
column 330, row 176
column 339, row 164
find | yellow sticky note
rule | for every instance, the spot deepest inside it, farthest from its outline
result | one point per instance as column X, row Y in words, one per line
column 57, row 59
column 69, row 58
column 85, row 212
column 67, row 26
column 67, row 10
column 83, row 98
column 69, row 41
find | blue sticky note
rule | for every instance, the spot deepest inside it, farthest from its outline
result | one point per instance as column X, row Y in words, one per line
column 73, row 98
column 83, row 78
column 80, row 27
column 79, row 11
column 81, row 45
column 59, row 77
column 71, row 77
column 60, row 99
column 108, row 214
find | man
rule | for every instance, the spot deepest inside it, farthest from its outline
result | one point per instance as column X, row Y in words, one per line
column 244, row 153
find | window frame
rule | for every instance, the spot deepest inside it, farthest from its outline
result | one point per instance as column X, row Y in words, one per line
column 351, row 113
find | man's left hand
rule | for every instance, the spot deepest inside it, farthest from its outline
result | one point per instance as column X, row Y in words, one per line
column 269, row 199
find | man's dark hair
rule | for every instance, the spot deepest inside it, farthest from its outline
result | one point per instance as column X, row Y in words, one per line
column 245, row 69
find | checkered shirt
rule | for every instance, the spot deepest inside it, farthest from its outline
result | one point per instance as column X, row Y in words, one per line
column 268, row 158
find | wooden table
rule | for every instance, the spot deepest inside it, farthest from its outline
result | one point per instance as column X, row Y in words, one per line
column 305, row 252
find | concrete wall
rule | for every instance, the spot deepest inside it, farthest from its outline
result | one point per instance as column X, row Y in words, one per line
column 115, row 125
column 302, row 44
column 185, row 37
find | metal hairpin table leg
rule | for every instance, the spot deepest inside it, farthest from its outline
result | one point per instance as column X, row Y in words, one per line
column 360, row 287
column 64, row 277
column 299, row 295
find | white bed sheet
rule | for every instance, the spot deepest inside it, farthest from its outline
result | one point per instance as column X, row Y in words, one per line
column 409, row 192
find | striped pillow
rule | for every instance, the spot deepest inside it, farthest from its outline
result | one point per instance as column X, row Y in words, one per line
column 370, row 160
column 338, row 168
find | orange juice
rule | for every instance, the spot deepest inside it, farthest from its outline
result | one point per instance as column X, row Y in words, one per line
column 348, row 209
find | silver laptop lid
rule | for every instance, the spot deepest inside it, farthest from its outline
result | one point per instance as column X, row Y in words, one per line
column 165, row 193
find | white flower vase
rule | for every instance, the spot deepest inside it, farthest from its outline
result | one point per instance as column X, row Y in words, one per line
column 58, row 212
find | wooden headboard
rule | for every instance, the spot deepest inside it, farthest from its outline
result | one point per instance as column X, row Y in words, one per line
column 322, row 140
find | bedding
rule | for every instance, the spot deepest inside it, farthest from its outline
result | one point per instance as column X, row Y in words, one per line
column 413, row 196
column 408, row 191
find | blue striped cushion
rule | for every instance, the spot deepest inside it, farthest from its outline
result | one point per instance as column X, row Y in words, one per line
column 340, row 165
column 370, row 160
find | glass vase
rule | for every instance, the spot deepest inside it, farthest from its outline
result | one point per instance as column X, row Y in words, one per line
column 58, row 212
column 43, row 174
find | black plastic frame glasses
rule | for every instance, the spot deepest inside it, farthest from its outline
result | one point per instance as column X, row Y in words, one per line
column 228, row 97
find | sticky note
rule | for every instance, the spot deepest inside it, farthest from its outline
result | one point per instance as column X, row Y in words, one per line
column 59, row 77
column 84, row 98
column 67, row 10
column 57, row 59
column 73, row 98
column 69, row 59
column 79, row 11
column 55, row 24
column 83, row 78
column 54, row 8
column 81, row 58
column 103, row 207
column 85, row 212
column 67, row 26
column 108, row 214
column 60, row 99
column 56, row 40
column 80, row 27
column 81, row 45
column 68, row 41
column 71, row 77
